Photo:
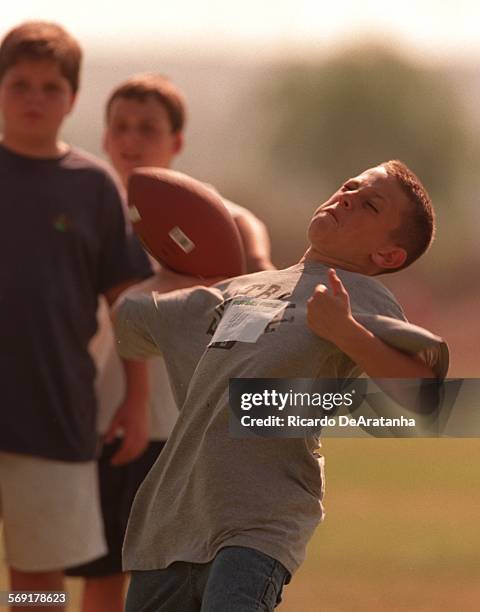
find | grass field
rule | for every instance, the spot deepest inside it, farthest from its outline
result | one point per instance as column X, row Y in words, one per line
column 401, row 532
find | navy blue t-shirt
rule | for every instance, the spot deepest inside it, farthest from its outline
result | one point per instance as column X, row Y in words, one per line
column 63, row 241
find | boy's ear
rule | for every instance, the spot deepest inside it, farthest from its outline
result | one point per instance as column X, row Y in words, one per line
column 178, row 142
column 105, row 140
column 73, row 99
column 389, row 258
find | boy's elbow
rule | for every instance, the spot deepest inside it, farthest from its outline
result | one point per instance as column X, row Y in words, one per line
column 422, row 369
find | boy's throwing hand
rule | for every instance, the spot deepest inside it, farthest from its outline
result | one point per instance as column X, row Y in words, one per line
column 328, row 310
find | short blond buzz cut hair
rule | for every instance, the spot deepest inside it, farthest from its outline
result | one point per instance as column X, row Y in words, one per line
column 417, row 227
column 149, row 85
column 42, row 40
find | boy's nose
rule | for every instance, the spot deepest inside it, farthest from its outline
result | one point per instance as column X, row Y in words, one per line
column 33, row 94
column 346, row 200
column 130, row 136
column 36, row 95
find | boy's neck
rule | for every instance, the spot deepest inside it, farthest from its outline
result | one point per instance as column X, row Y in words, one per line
column 312, row 255
column 41, row 149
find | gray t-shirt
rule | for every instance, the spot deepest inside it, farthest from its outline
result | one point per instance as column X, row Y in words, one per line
column 209, row 490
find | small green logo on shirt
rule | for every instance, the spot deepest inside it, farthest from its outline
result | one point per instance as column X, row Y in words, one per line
column 62, row 223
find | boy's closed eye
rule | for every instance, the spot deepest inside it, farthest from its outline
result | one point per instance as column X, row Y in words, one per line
column 371, row 206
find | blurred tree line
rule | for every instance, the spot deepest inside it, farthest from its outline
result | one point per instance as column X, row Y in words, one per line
column 327, row 120
column 364, row 105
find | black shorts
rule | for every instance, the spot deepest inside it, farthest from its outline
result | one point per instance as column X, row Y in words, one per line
column 118, row 485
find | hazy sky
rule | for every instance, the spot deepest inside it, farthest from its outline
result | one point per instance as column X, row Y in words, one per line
column 441, row 29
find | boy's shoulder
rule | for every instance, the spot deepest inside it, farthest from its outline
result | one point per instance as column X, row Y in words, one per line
column 234, row 209
column 368, row 294
column 78, row 159
column 73, row 158
column 92, row 171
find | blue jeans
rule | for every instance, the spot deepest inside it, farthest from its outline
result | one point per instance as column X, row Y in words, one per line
column 238, row 580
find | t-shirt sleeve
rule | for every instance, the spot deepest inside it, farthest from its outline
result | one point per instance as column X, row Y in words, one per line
column 175, row 325
column 143, row 322
column 409, row 338
column 150, row 324
column 122, row 257
column 376, row 308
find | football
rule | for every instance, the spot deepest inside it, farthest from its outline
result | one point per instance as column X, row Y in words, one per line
column 184, row 224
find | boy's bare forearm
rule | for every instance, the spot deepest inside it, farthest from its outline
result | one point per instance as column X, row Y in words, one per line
column 136, row 381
